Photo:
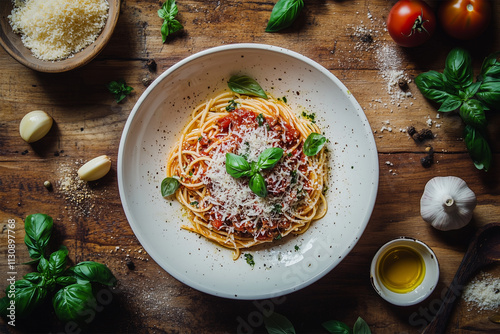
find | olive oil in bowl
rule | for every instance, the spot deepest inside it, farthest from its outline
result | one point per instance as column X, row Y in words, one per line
column 401, row 269
column 404, row 271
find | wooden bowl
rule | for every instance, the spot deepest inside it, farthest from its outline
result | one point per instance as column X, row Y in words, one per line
column 12, row 43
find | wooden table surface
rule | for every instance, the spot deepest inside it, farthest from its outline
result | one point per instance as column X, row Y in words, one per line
column 349, row 38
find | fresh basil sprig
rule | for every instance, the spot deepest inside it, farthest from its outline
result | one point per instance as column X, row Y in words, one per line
column 168, row 12
column 119, row 89
column 71, row 287
column 313, row 144
column 276, row 323
column 245, row 85
column 237, row 167
column 455, row 90
column 169, row 186
column 284, row 14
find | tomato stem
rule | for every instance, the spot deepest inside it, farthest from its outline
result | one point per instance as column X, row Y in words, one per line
column 418, row 25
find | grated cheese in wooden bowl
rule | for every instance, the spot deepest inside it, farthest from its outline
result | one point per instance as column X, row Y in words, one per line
column 57, row 29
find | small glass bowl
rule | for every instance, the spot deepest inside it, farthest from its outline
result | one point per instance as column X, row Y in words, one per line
column 420, row 292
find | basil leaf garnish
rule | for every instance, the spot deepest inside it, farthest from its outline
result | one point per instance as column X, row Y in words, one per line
column 458, row 68
column 433, row 86
column 258, row 185
column 284, row 14
column 490, row 67
column 246, row 85
column 450, row 104
column 489, row 92
column 277, row 323
column 472, row 113
column 237, row 166
column 93, row 272
column 335, row 326
column 313, row 144
column 361, row 327
column 478, row 147
column 169, row 185
column 38, row 229
column 269, row 158
column 57, row 261
column 71, row 302
column 168, row 12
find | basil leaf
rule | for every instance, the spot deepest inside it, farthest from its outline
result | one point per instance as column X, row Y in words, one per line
column 168, row 12
column 284, row 14
column 57, row 261
column 313, row 144
column 433, row 86
column 65, row 280
column 361, row 327
column 71, row 301
column 35, row 278
column 260, row 119
column 28, row 296
column 472, row 113
column 269, row 158
column 43, row 265
column 450, row 104
column 489, row 92
column 119, row 89
column 278, row 324
column 237, row 166
column 257, row 185
column 490, row 67
column 169, row 186
column 472, row 90
column 458, row 68
column 4, row 304
column 336, row 327
column 94, row 272
column 246, row 86
column 38, row 229
column 478, row 147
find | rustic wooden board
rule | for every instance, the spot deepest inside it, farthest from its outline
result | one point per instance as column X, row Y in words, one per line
column 346, row 37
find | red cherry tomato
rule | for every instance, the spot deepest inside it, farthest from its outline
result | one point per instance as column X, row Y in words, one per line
column 411, row 22
column 465, row 19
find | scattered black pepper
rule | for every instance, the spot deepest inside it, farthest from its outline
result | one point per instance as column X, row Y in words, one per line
column 24, row 152
column 146, row 82
column 420, row 136
column 428, row 160
column 366, row 38
column 130, row 264
column 151, row 64
column 403, row 85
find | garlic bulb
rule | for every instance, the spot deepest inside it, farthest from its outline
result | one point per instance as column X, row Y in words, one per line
column 35, row 125
column 95, row 168
column 447, row 203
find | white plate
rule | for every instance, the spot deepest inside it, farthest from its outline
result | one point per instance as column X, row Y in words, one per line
column 292, row 263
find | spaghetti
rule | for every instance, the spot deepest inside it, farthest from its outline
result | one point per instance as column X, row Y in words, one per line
column 224, row 209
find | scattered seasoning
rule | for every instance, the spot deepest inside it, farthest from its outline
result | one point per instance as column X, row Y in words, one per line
column 47, row 185
column 249, row 259
column 151, row 64
column 146, row 81
column 483, row 292
column 130, row 265
column 421, row 135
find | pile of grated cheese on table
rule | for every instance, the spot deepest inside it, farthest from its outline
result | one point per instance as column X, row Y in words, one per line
column 483, row 292
column 57, row 29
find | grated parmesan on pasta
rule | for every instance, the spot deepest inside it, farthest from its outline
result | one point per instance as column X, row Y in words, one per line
column 56, row 29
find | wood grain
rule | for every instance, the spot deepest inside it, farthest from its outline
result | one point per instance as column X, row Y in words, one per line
column 346, row 37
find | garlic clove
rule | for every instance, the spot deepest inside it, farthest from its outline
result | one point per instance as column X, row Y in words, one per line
column 447, row 203
column 95, row 168
column 35, row 125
